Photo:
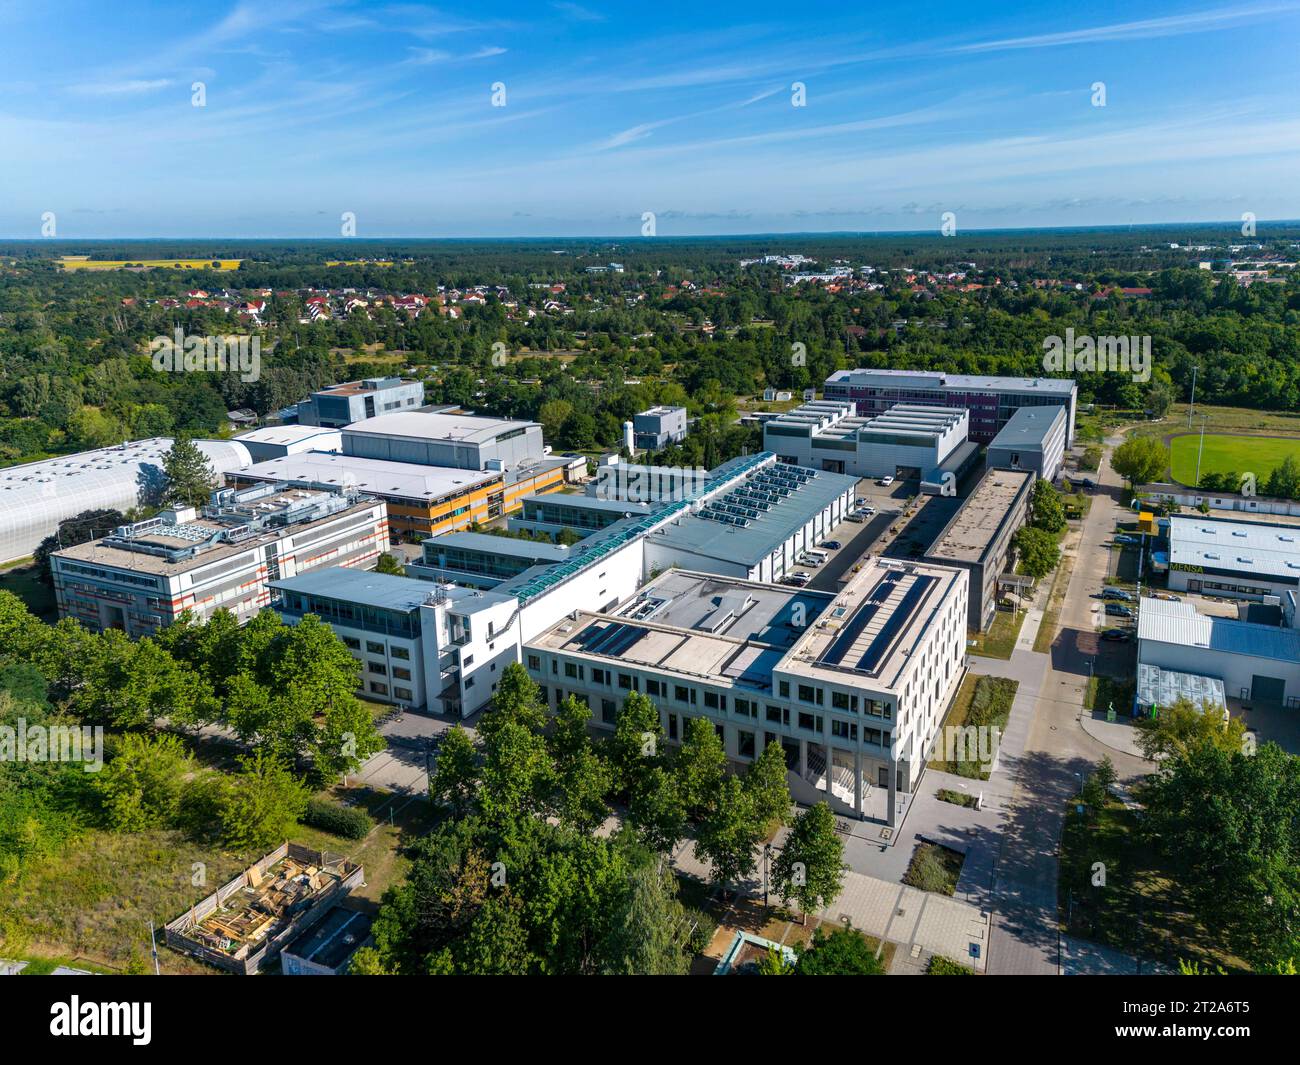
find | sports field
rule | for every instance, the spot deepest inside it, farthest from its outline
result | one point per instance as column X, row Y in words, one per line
column 1230, row 454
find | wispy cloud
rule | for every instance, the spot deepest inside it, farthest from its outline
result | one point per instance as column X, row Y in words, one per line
column 131, row 87
column 1140, row 29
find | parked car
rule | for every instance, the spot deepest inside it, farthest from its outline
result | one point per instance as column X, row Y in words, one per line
column 1117, row 610
column 885, row 482
column 808, row 560
column 1116, row 593
column 832, row 545
column 855, row 517
column 1088, row 482
column 859, row 502
column 796, row 579
column 1167, row 596
column 866, row 510
column 1118, row 635
column 1126, row 539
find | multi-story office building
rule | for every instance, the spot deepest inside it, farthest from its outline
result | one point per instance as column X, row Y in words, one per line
column 144, row 576
column 422, row 500
column 356, row 401
column 978, row 537
column 853, row 686
column 906, row 441
column 1033, row 439
column 482, row 560
column 435, row 646
column 656, row 428
column 584, row 514
column 461, row 441
column 991, row 401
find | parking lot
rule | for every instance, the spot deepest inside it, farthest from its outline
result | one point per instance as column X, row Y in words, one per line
column 855, row 539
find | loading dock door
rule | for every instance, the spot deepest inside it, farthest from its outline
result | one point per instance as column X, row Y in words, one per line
column 1267, row 689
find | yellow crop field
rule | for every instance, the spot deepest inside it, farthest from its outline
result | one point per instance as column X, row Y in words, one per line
column 81, row 262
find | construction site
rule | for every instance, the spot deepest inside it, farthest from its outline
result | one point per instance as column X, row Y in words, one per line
column 246, row 923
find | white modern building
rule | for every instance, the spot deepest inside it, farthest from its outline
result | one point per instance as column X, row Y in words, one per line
column 143, row 576
column 1237, row 559
column 279, row 441
column 853, row 686
column 1033, row 439
column 1252, row 662
column 463, row 441
column 36, row 496
column 905, row 441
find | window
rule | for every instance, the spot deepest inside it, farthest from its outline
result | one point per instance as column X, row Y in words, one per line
column 599, row 676
column 711, row 700
column 352, row 642
column 809, row 694
column 745, row 744
column 534, row 663
column 571, row 669
column 377, row 688
column 806, row 722
column 684, row 694
column 399, row 652
column 376, row 667
column 845, row 730
column 401, row 674
column 653, row 687
column 402, row 693
column 778, row 714
column 624, row 681
column 672, row 726
column 783, row 689
column 374, row 648
column 608, row 711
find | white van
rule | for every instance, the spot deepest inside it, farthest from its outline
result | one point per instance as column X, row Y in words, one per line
column 815, row 555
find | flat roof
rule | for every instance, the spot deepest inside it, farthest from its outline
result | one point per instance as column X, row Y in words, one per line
column 286, row 434
column 1029, row 427
column 500, row 545
column 582, row 501
column 1258, row 547
column 367, row 386
column 453, row 428
column 954, row 382
column 386, row 591
column 332, row 939
column 695, row 624
column 1162, row 621
column 194, row 533
column 380, row 477
column 875, row 621
column 967, row 536
column 750, row 544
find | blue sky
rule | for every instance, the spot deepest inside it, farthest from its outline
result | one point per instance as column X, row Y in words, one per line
column 317, row 107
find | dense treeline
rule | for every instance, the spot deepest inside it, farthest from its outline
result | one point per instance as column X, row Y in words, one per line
column 684, row 323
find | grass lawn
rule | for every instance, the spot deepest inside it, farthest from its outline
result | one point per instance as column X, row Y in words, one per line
column 934, row 868
column 1001, row 638
column 980, row 701
column 1140, row 909
column 1104, row 691
column 20, row 578
column 1230, row 454
column 93, row 901
column 1055, row 601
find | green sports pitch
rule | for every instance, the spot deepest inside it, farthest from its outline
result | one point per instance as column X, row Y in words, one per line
column 1230, row 454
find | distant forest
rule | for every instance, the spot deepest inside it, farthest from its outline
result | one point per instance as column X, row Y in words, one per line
column 683, row 323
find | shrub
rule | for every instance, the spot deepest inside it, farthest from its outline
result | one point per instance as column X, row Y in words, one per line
column 941, row 966
column 346, row 821
column 702, row 932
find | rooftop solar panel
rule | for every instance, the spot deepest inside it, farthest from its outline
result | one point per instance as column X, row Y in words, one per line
column 902, row 613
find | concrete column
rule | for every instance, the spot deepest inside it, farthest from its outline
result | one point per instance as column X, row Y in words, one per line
column 803, row 758
column 830, row 764
column 857, row 782
column 893, row 789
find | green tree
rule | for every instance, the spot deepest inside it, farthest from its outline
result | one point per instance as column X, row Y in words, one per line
column 1141, row 460
column 391, row 564
column 1045, row 509
column 648, row 928
column 1181, row 728
column 768, row 787
column 730, row 833
column 656, row 810
column 810, row 868
column 190, row 477
column 140, row 787
column 1039, row 553
column 844, row 952
column 455, row 774
column 637, row 744
column 261, row 804
column 700, row 765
